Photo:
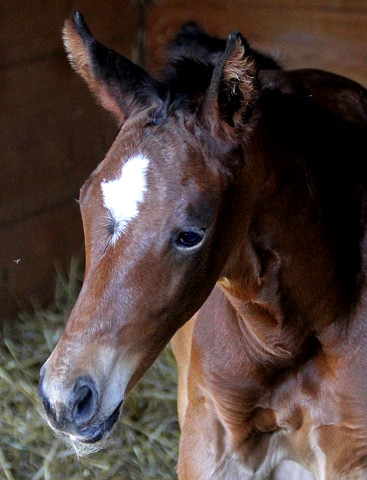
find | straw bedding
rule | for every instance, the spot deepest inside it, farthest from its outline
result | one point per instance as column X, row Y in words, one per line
column 144, row 445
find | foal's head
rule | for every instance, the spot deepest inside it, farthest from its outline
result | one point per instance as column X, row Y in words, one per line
column 158, row 217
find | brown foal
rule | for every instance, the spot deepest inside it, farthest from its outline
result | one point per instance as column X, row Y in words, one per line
column 230, row 215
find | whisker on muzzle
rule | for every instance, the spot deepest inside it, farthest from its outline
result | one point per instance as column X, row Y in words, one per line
column 81, row 449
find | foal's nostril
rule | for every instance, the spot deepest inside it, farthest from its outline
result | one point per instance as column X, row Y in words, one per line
column 84, row 401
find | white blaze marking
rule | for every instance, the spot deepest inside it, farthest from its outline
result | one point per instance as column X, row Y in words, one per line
column 122, row 195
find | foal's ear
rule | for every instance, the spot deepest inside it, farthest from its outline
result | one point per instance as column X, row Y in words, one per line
column 121, row 86
column 232, row 90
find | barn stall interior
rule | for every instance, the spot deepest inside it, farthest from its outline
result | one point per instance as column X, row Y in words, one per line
column 54, row 135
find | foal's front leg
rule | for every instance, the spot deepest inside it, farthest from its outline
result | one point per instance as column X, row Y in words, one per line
column 207, row 454
column 203, row 453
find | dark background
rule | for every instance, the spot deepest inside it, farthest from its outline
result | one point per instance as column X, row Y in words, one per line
column 53, row 134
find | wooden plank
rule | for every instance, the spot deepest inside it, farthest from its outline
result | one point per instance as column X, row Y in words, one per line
column 29, row 251
column 30, row 29
column 300, row 37
column 358, row 5
column 33, row 29
column 347, row 5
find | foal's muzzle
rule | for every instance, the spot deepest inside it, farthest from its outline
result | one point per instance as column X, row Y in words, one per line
column 77, row 410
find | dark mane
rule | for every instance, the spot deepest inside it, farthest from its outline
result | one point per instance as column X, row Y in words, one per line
column 187, row 77
column 191, row 57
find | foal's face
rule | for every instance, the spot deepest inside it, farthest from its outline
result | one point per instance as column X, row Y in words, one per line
column 155, row 237
column 158, row 223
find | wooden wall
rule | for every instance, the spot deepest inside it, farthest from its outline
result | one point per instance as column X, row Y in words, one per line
column 53, row 135
column 327, row 34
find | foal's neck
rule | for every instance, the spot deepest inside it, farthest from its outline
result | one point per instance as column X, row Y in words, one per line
column 284, row 279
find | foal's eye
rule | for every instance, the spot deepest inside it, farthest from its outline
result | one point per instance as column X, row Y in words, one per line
column 189, row 238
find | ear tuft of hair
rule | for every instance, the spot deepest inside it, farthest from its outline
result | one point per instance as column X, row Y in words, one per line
column 81, row 26
column 238, row 73
column 76, row 36
column 233, row 90
column 120, row 86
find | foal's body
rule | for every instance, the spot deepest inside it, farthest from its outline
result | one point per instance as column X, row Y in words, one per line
column 272, row 361
column 251, row 212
